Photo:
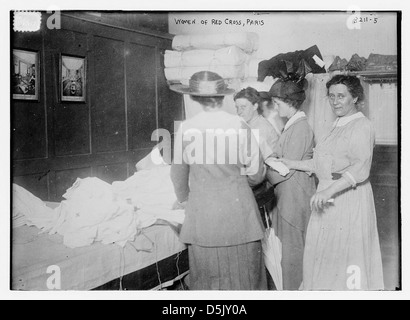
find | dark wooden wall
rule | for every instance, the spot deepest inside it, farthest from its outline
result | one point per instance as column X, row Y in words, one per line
column 385, row 183
column 136, row 20
column 127, row 98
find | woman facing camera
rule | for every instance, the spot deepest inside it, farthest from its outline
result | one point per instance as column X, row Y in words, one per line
column 222, row 227
column 247, row 105
column 293, row 191
column 342, row 249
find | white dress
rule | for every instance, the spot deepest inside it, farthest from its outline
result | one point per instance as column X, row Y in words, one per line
column 342, row 250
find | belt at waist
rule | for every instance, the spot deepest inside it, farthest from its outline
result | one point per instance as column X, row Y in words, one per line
column 337, row 176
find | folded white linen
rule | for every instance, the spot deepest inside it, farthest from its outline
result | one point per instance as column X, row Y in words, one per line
column 226, row 72
column 247, row 41
column 229, row 56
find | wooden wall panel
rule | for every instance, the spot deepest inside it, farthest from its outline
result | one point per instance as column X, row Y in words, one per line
column 385, row 181
column 37, row 184
column 29, row 135
column 141, row 95
column 388, row 222
column 103, row 137
column 66, row 41
column 136, row 20
column 72, row 137
column 70, row 129
column 109, row 122
column 385, row 163
column 29, row 139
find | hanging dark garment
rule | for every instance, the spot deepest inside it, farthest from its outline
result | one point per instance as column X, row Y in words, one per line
column 338, row 64
column 356, row 63
column 292, row 65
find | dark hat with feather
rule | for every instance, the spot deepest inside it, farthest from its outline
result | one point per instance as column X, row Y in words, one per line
column 289, row 89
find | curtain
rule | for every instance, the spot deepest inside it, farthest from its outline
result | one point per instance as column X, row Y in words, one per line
column 316, row 106
column 383, row 107
column 72, row 63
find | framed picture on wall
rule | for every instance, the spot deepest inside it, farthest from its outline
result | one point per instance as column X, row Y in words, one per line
column 25, row 75
column 72, row 79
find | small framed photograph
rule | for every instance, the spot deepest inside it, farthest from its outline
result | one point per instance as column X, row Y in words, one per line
column 25, row 75
column 72, row 78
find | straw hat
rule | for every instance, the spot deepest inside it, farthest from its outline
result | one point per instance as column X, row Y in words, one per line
column 204, row 84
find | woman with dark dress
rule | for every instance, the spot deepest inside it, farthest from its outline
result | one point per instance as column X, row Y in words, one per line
column 293, row 191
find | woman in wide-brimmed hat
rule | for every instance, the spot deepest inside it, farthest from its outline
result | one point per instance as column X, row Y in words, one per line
column 212, row 173
column 293, row 191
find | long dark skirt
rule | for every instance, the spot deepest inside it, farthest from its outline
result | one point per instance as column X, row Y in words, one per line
column 238, row 267
column 293, row 243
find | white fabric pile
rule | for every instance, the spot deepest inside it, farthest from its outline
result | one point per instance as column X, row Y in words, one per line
column 94, row 210
column 90, row 214
column 227, row 54
column 29, row 210
column 152, row 192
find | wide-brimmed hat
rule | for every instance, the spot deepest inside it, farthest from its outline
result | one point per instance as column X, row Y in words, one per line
column 289, row 90
column 204, row 84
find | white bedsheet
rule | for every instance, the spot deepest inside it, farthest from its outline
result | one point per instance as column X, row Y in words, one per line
column 87, row 267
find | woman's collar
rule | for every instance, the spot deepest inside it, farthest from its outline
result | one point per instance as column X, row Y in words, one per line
column 342, row 121
column 292, row 120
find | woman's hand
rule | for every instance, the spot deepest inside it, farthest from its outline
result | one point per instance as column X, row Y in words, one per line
column 320, row 200
column 291, row 164
column 179, row 205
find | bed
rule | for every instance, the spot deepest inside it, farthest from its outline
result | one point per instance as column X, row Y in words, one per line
column 127, row 238
column 155, row 260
